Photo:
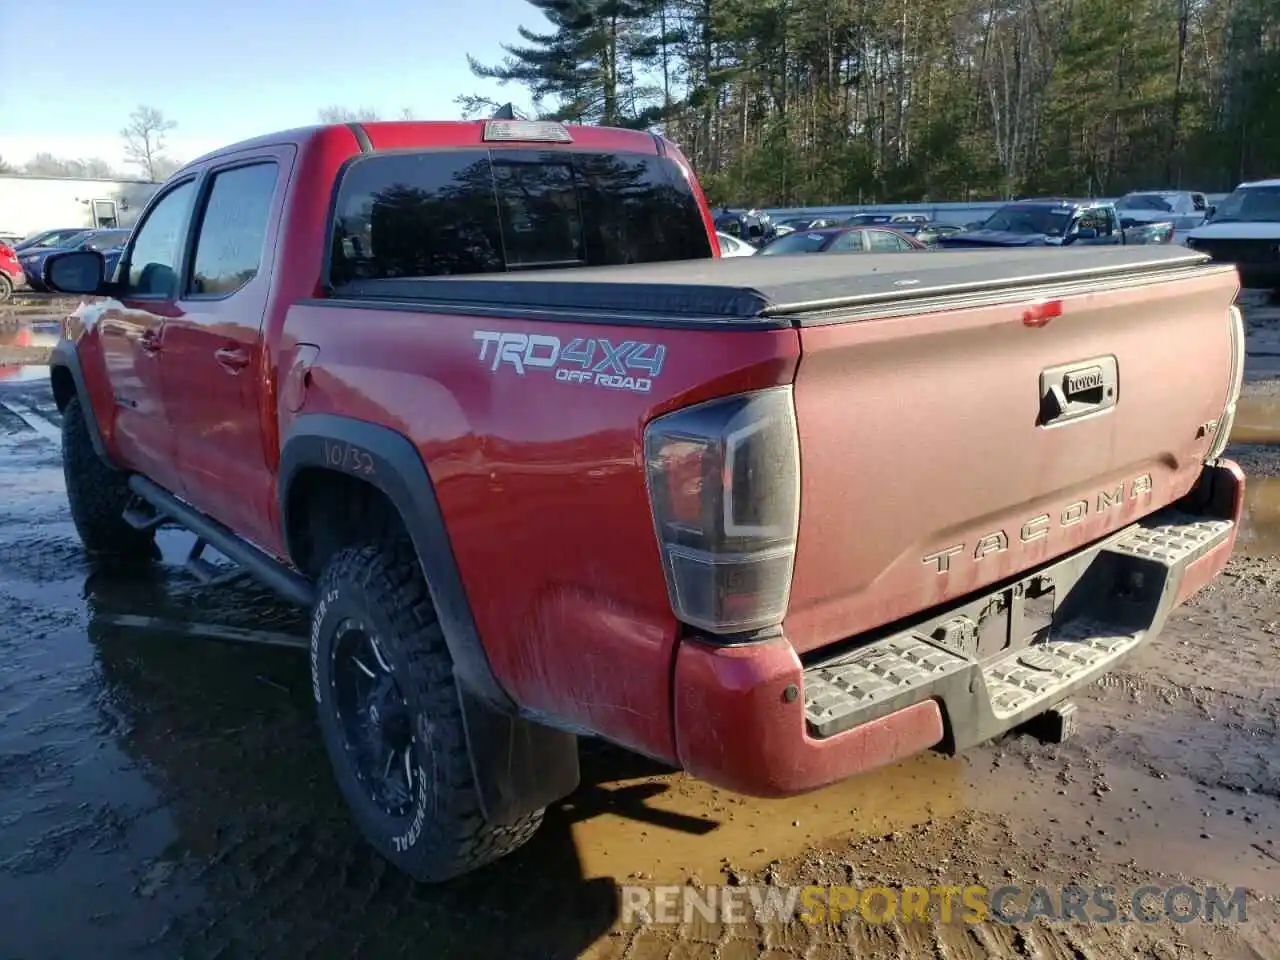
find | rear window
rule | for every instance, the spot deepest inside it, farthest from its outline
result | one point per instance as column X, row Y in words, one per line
column 430, row 214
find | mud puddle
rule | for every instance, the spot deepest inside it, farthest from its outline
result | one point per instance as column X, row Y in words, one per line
column 24, row 347
column 1257, row 419
column 673, row 828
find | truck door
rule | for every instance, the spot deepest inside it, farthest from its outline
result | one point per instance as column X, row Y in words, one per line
column 215, row 384
column 132, row 331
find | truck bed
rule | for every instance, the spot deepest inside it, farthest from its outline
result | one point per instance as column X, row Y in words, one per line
column 933, row 462
column 785, row 291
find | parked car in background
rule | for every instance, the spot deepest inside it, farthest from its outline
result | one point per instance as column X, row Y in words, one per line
column 9, row 239
column 750, row 226
column 48, row 239
column 1184, row 209
column 1244, row 229
column 733, row 247
column 793, row 224
column 11, row 275
column 1053, row 222
column 107, row 242
column 929, row 232
column 843, row 240
column 896, row 219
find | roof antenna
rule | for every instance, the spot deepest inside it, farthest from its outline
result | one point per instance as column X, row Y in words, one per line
column 505, row 112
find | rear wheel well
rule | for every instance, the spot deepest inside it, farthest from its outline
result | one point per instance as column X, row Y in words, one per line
column 328, row 511
column 64, row 387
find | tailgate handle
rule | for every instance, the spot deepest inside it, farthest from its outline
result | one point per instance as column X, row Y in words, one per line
column 1071, row 391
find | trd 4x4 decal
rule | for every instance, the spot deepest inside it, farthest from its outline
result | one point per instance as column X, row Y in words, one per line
column 624, row 365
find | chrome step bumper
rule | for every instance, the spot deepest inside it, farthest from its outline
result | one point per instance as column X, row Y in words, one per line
column 989, row 676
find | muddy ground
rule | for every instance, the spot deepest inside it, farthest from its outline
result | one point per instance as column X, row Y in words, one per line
column 163, row 793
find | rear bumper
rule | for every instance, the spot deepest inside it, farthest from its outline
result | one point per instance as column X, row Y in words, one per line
column 756, row 720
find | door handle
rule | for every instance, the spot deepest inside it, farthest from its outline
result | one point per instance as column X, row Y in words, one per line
column 1075, row 390
column 149, row 340
column 233, row 358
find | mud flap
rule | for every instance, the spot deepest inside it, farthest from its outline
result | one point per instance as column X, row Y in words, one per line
column 519, row 766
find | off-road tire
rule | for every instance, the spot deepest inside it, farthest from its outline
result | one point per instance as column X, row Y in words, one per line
column 444, row 834
column 6, row 288
column 98, row 495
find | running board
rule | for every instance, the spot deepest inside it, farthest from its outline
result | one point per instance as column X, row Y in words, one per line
column 270, row 571
column 1001, row 659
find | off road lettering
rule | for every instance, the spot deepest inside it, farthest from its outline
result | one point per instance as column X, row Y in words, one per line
column 629, row 365
column 1039, row 527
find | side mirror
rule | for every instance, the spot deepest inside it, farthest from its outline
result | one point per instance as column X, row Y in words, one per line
column 74, row 271
column 1211, row 211
column 1087, row 233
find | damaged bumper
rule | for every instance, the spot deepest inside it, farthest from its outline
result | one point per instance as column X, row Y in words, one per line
column 757, row 720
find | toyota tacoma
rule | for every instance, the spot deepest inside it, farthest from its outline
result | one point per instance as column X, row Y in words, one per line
column 543, row 466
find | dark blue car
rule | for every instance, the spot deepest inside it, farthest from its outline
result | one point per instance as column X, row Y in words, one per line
column 107, row 242
column 47, row 239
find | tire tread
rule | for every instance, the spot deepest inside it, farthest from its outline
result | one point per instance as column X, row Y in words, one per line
column 461, row 840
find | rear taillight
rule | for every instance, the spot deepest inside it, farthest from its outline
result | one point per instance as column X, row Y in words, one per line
column 724, row 482
column 1223, row 436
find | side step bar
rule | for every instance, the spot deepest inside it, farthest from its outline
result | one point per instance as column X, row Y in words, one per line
column 289, row 584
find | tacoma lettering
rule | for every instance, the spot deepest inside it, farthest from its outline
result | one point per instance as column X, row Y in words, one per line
column 1037, row 528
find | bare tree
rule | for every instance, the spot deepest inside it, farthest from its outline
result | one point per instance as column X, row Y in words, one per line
column 472, row 105
column 337, row 114
column 93, row 167
column 165, row 168
column 144, row 139
column 47, row 165
column 6, row 167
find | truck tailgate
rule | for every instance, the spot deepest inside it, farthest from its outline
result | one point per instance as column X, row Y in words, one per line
column 947, row 450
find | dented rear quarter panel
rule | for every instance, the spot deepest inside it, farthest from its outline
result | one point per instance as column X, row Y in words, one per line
column 542, row 486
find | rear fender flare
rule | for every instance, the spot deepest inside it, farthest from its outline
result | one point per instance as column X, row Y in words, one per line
column 520, row 766
column 65, row 357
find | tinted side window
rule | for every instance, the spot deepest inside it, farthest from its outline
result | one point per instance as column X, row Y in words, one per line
column 232, row 230
column 157, row 247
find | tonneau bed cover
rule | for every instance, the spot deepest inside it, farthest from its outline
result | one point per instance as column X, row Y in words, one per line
column 785, row 291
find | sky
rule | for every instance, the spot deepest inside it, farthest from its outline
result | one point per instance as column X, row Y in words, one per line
column 226, row 70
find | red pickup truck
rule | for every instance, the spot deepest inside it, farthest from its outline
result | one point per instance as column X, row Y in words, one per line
column 544, row 466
